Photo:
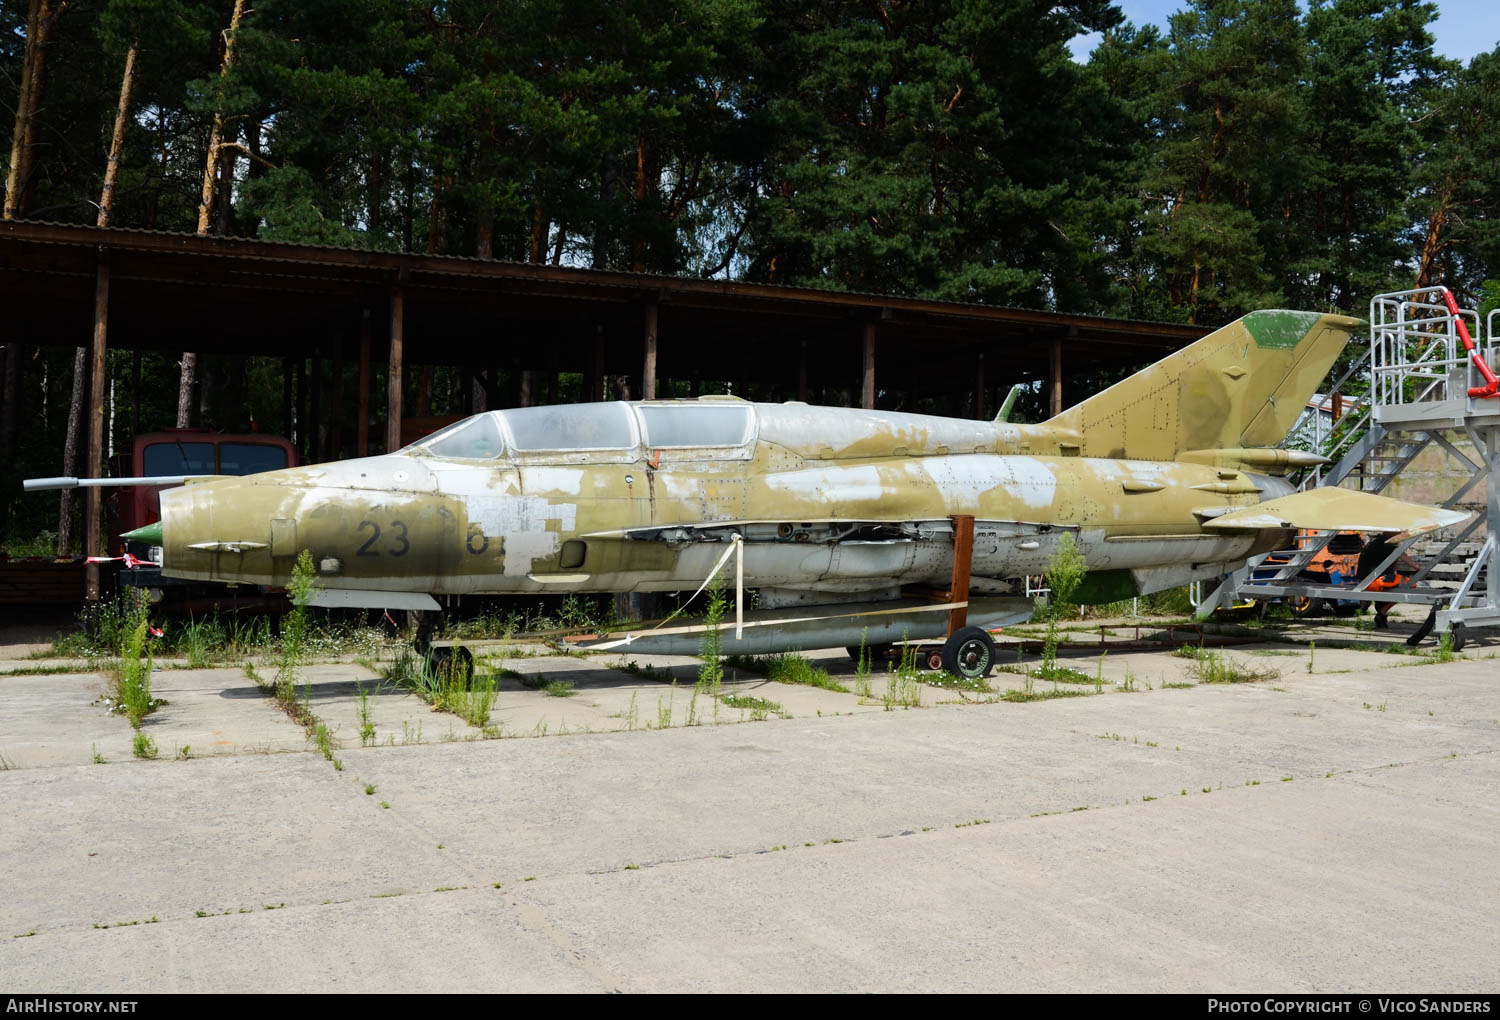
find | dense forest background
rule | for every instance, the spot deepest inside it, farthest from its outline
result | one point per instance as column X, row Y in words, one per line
column 1254, row 154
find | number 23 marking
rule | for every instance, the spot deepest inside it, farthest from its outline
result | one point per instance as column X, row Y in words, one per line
column 365, row 549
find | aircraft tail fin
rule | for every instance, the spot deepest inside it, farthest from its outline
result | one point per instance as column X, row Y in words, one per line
column 1242, row 386
column 1010, row 402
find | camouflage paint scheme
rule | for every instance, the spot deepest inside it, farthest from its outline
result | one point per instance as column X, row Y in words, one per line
column 835, row 505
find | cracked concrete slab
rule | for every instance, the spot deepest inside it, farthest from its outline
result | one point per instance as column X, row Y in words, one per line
column 1327, row 830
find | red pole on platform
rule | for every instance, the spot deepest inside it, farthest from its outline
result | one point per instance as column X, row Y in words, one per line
column 1492, row 385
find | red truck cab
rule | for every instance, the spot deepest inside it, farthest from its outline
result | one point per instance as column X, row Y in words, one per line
column 185, row 452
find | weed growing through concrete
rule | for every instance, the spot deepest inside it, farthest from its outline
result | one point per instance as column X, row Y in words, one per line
column 1444, row 650
column 1211, row 667
column 98, row 758
column 1031, row 694
column 788, row 668
column 559, row 688
column 631, row 717
column 759, row 708
column 184, row 752
column 470, row 701
column 711, row 672
column 664, row 712
column 1312, row 646
column 143, row 746
column 135, row 666
column 366, row 727
column 324, row 741
column 1065, row 572
column 294, row 632
column 862, row 686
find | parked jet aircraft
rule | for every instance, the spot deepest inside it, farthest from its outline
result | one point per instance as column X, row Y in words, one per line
column 843, row 514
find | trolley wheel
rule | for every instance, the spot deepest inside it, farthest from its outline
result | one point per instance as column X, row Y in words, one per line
column 934, row 658
column 969, row 653
column 1305, row 607
column 1458, row 635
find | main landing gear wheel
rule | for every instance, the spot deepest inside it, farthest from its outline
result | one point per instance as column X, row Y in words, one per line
column 451, row 666
column 1306, row 608
column 969, row 653
column 876, row 653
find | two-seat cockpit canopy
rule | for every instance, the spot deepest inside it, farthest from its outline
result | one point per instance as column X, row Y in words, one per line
column 616, row 428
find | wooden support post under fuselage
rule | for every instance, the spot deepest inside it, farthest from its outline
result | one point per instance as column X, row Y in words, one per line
column 963, row 559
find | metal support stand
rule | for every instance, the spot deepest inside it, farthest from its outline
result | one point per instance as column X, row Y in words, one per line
column 1429, row 385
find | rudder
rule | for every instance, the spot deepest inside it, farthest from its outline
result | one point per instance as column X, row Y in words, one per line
column 1243, row 385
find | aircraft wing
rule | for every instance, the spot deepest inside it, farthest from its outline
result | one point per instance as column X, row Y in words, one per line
column 1335, row 509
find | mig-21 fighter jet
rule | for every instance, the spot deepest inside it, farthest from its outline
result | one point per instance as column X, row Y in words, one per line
column 843, row 519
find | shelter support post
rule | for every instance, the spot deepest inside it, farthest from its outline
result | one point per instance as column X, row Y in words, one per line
column 1054, row 380
column 979, row 388
column 393, row 379
column 362, row 434
column 648, row 364
column 596, row 366
column 867, row 376
column 315, row 410
column 963, row 559
column 336, row 406
column 95, row 467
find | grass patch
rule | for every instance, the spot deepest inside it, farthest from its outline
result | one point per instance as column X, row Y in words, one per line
column 559, row 688
column 1035, row 695
column 902, row 686
column 1211, row 667
column 49, row 670
column 1444, row 650
column 949, row 681
column 759, row 708
column 787, row 668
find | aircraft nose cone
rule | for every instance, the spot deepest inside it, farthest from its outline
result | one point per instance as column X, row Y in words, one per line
column 150, row 534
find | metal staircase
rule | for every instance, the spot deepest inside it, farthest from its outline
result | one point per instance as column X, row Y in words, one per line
column 1425, row 383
